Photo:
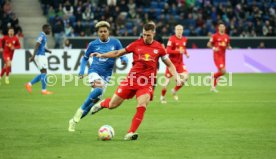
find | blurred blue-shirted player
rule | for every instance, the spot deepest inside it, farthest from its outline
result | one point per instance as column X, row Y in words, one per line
column 41, row 60
column 100, row 70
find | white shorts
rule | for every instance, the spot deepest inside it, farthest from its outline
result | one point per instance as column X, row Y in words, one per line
column 41, row 61
column 93, row 76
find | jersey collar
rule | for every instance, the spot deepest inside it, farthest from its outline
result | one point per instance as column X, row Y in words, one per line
column 104, row 42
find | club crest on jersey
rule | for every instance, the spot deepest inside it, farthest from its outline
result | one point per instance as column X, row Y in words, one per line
column 155, row 51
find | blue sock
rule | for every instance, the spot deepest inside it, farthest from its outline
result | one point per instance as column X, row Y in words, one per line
column 86, row 111
column 43, row 81
column 36, row 79
column 92, row 98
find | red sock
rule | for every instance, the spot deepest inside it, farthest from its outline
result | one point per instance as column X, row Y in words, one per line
column 137, row 119
column 176, row 88
column 8, row 70
column 216, row 77
column 164, row 90
column 3, row 71
column 105, row 103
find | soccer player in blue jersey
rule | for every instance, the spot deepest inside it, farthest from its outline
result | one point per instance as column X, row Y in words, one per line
column 100, row 69
column 41, row 60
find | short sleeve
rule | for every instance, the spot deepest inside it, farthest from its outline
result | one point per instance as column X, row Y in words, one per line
column 39, row 39
column 228, row 39
column 170, row 42
column 118, row 45
column 162, row 53
column 131, row 47
column 212, row 39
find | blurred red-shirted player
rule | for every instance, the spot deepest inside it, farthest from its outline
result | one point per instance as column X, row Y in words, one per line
column 219, row 42
column 176, row 47
column 140, row 80
column 9, row 44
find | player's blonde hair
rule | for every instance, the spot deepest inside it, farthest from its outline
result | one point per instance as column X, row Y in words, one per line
column 179, row 25
column 102, row 24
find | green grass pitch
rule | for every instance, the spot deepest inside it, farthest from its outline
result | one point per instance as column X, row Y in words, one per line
column 239, row 122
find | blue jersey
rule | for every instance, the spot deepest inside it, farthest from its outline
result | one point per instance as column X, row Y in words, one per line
column 101, row 66
column 42, row 39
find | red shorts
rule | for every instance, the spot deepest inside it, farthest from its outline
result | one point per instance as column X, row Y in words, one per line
column 127, row 92
column 219, row 61
column 7, row 57
column 179, row 69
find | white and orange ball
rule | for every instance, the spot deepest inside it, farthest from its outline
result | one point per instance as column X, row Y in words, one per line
column 106, row 132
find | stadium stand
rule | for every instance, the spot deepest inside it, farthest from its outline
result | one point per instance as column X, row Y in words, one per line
column 244, row 18
column 9, row 19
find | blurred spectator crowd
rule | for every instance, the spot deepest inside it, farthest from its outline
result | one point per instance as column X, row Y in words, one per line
column 9, row 19
column 243, row 18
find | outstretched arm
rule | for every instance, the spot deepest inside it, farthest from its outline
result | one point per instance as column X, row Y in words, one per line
column 111, row 54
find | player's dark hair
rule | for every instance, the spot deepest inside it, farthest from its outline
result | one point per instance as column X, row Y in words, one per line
column 220, row 22
column 45, row 26
column 10, row 28
column 149, row 26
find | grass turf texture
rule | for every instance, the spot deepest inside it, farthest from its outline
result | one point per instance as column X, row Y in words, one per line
column 238, row 122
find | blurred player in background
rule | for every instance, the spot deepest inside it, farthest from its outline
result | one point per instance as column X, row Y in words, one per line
column 100, row 69
column 41, row 60
column 9, row 44
column 176, row 47
column 141, row 78
column 219, row 42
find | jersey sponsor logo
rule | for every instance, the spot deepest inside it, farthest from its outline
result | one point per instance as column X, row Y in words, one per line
column 147, row 56
column 112, row 48
column 222, row 43
column 184, row 43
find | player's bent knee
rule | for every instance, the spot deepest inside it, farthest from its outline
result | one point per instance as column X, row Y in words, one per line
column 8, row 63
column 43, row 70
column 223, row 71
column 98, row 84
column 143, row 100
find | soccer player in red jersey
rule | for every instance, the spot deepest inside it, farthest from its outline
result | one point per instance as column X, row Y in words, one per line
column 176, row 47
column 9, row 44
column 141, row 78
column 219, row 42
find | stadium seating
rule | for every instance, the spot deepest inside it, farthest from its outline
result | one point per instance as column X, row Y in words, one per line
column 234, row 13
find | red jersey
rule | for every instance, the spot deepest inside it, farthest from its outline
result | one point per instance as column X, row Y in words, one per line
column 9, row 43
column 145, row 59
column 220, row 41
column 173, row 49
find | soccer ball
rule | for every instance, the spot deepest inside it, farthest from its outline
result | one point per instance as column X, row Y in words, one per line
column 106, row 132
